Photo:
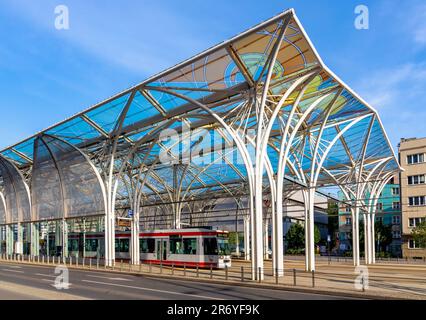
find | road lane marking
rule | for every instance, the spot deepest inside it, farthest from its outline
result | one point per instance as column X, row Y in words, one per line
column 54, row 282
column 15, row 267
column 109, row 278
column 153, row 290
column 45, row 275
column 11, row 270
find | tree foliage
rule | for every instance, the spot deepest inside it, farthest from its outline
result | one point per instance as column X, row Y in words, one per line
column 296, row 236
column 419, row 235
column 383, row 235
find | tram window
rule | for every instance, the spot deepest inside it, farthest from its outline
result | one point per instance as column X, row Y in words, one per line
column 224, row 246
column 176, row 245
column 91, row 245
column 210, row 246
column 72, row 245
column 147, row 245
column 190, row 246
column 122, row 245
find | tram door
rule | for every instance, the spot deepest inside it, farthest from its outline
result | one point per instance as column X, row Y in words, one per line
column 161, row 249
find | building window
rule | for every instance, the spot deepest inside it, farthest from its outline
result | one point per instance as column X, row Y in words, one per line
column 348, row 221
column 416, row 201
column 395, row 191
column 348, row 209
column 379, row 219
column 415, row 158
column 395, row 205
column 396, row 234
column 417, row 179
column 379, row 206
column 396, row 220
column 414, row 222
column 413, row 245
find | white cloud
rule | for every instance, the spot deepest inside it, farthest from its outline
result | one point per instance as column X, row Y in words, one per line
column 388, row 88
column 417, row 23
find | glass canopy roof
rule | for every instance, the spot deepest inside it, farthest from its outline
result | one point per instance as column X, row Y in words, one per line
column 220, row 78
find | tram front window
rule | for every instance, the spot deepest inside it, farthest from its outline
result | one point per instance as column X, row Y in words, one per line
column 210, row 247
column 223, row 245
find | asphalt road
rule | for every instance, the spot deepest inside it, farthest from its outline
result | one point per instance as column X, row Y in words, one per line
column 37, row 282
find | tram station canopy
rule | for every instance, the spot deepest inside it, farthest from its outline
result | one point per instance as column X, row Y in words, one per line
column 212, row 97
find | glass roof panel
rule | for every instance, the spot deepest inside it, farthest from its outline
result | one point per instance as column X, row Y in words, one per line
column 139, row 109
column 74, row 131
column 106, row 115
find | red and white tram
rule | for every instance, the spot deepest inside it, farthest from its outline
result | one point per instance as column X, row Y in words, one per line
column 191, row 247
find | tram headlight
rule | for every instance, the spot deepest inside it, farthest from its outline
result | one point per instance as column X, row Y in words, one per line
column 221, row 257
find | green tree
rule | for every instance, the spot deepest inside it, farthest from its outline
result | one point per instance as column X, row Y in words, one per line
column 419, row 235
column 296, row 236
column 361, row 236
column 383, row 235
column 317, row 235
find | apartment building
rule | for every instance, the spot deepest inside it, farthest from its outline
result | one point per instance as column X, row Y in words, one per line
column 412, row 157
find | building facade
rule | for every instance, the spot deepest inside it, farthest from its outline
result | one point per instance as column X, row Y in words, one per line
column 388, row 213
column 412, row 157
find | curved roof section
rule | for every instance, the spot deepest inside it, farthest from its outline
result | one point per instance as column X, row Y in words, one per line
column 219, row 77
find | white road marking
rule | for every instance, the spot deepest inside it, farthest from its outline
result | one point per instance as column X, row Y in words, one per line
column 153, row 290
column 11, row 270
column 50, row 280
column 15, row 267
column 45, row 275
column 109, row 278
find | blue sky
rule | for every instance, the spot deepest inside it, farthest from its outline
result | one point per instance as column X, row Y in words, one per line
column 47, row 75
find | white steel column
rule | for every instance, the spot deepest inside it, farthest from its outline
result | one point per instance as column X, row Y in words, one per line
column 134, row 246
column 367, row 232
column 373, row 239
column 365, row 237
column 310, row 231
column 370, row 238
column 246, row 238
column 64, row 238
column 266, row 239
column 278, row 246
column 305, row 214
column 35, row 239
column 354, row 238
column 20, row 239
column 355, row 235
